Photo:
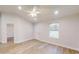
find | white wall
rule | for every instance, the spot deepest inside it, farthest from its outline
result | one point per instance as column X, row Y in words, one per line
column 69, row 32
column 0, row 27
column 41, row 31
column 22, row 28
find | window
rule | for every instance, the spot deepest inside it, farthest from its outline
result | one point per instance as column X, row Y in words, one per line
column 54, row 30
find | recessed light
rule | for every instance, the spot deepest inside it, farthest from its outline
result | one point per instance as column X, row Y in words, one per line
column 56, row 12
column 19, row 7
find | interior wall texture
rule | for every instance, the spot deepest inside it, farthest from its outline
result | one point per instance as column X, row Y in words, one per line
column 68, row 32
column 0, row 27
column 22, row 28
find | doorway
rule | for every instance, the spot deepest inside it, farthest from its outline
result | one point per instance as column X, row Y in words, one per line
column 10, row 33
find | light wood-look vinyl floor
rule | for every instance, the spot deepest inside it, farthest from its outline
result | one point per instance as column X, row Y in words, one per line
column 33, row 47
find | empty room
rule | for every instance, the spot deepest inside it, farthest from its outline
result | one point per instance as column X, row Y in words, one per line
column 39, row 29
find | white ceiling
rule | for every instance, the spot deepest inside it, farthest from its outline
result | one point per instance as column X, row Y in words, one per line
column 46, row 11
